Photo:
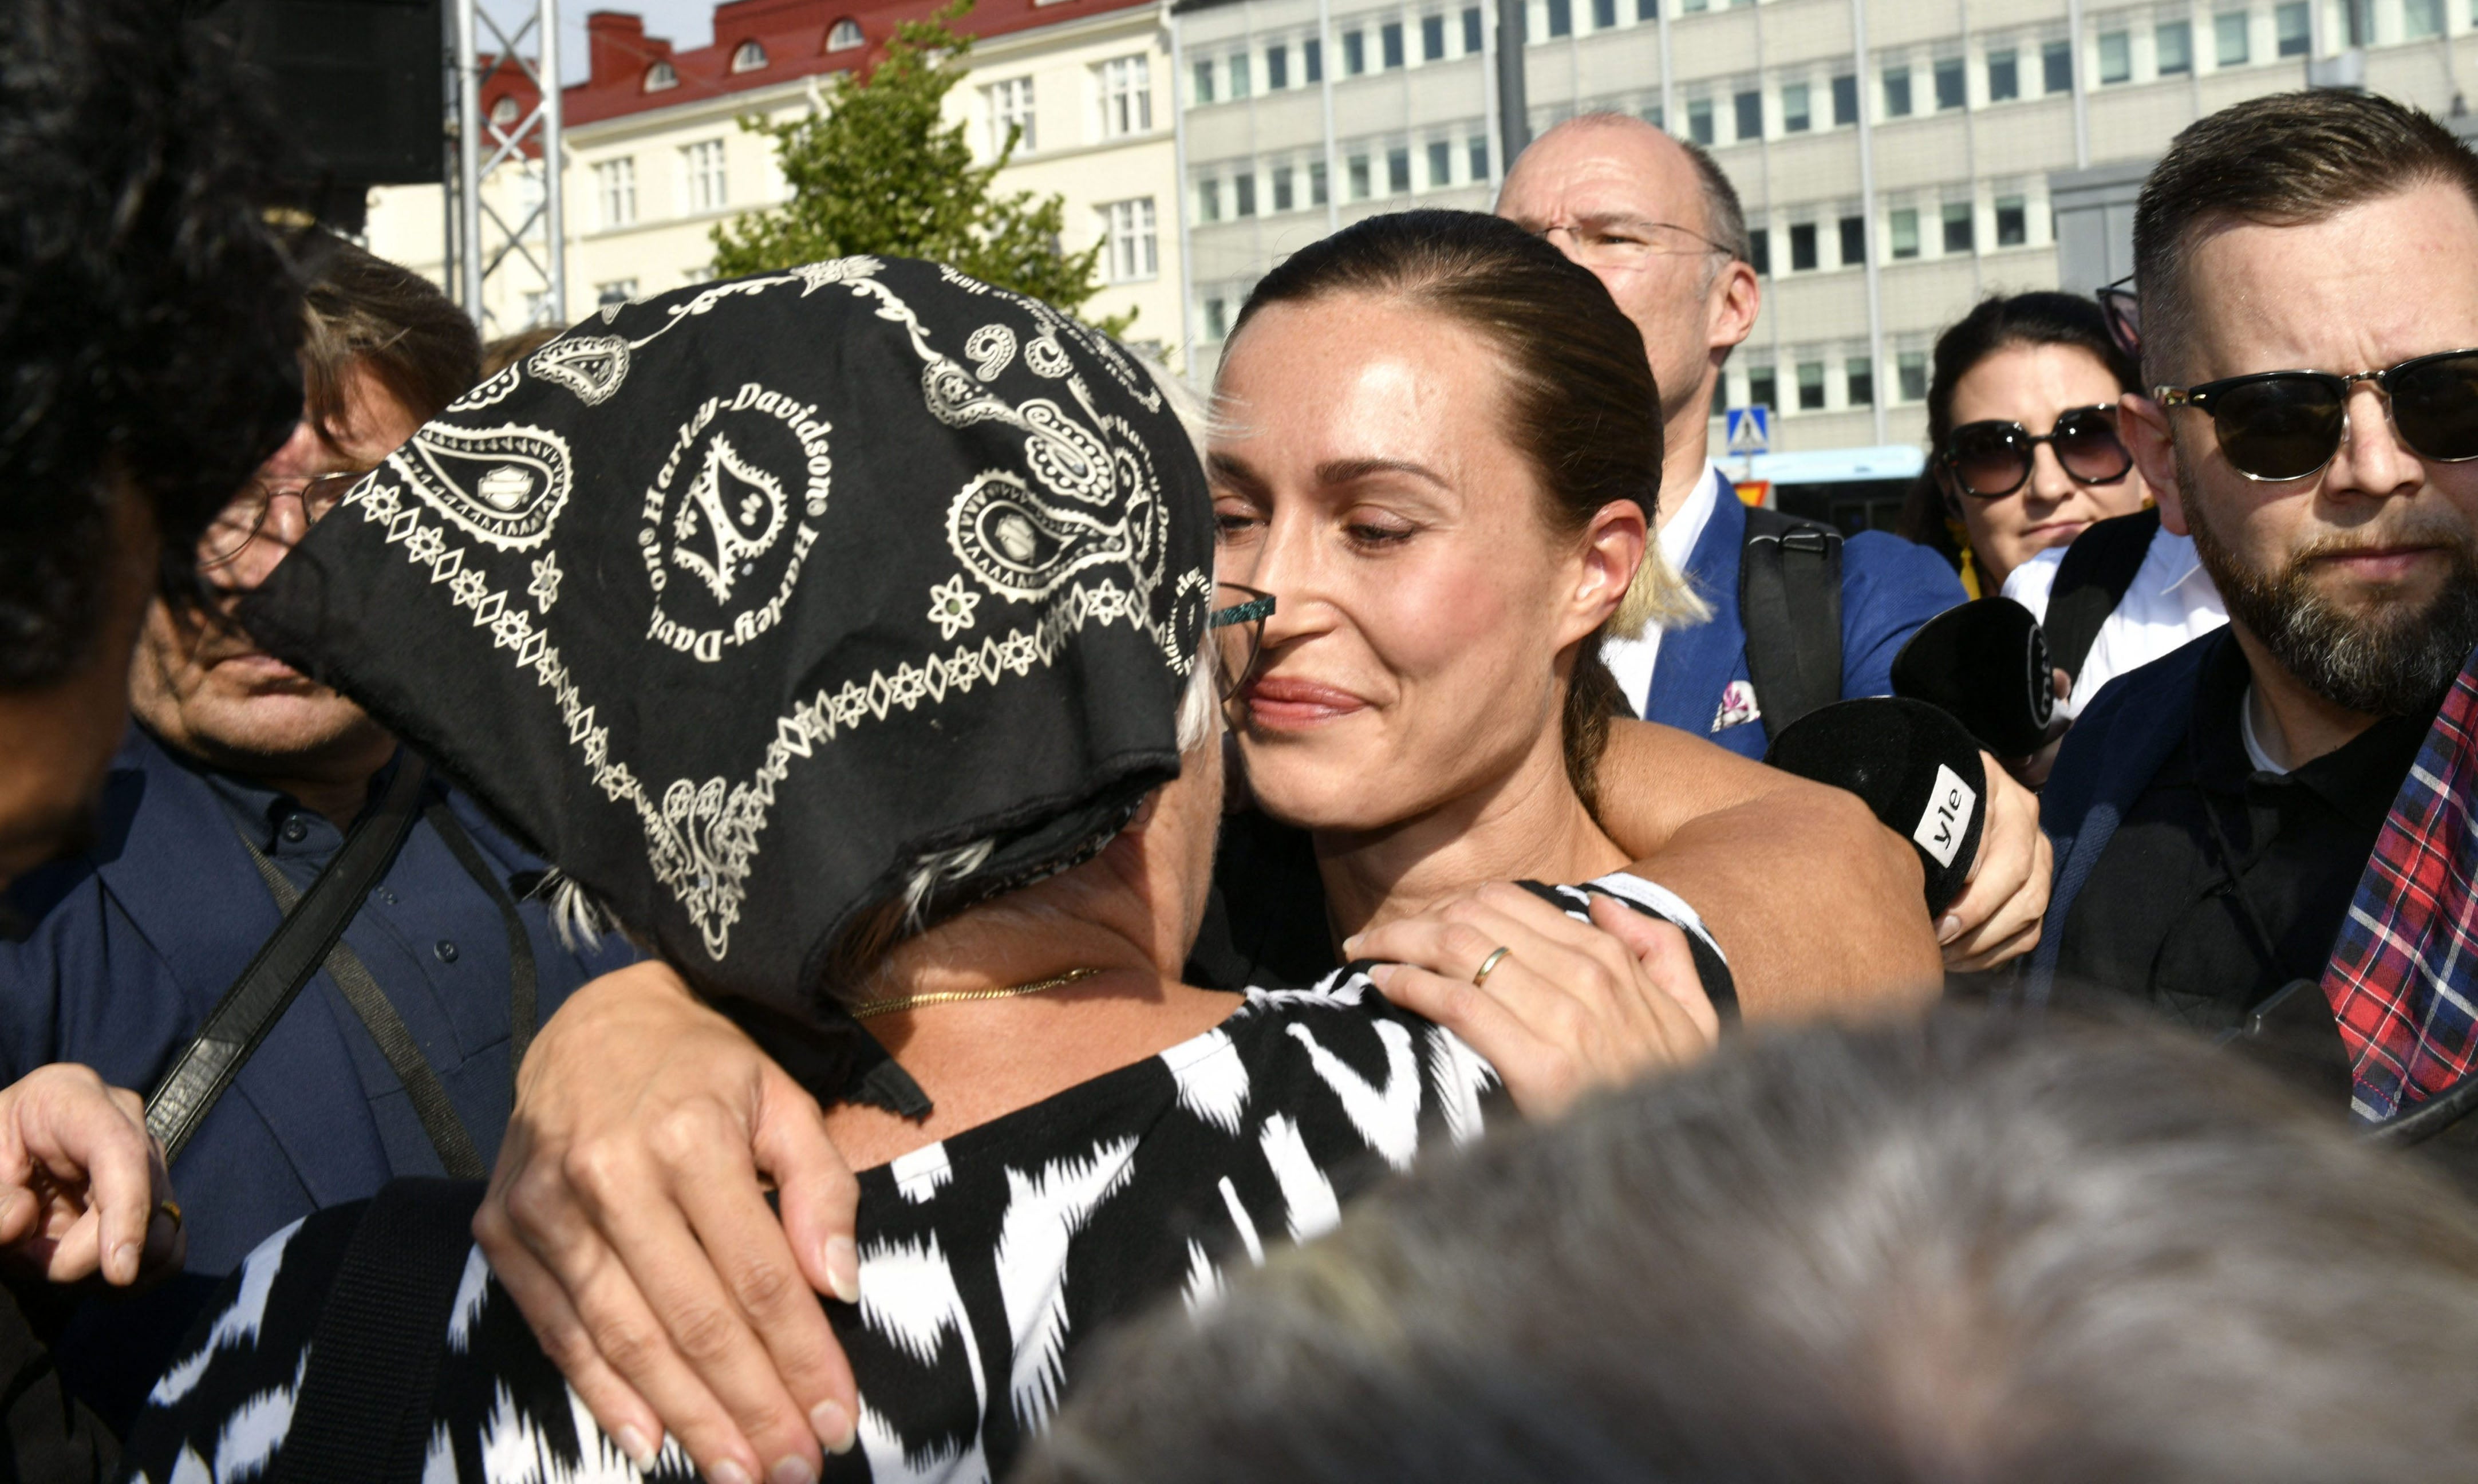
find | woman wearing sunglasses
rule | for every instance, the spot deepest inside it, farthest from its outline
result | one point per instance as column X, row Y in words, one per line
column 2022, row 431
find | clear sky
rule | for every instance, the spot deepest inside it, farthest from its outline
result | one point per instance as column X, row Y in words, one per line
column 685, row 23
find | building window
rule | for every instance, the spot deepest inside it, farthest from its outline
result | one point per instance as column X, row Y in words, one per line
column 620, row 290
column 1278, row 67
column 1398, row 170
column 1312, row 60
column 1204, row 82
column 1795, row 119
column 2173, row 44
column 1316, row 184
column 1010, row 107
column 2421, row 20
column 1897, row 92
column 1957, row 237
column 1853, row 241
column 1759, row 251
column 1811, row 386
column 2229, row 41
column 1243, row 80
column 1472, row 42
column 1209, row 200
column 1951, row 91
column 844, row 35
column 1750, row 116
column 1283, row 201
column 702, row 164
column 1860, row 375
column 1699, row 121
column 1561, row 17
column 2012, row 222
column 1217, row 320
column 1478, row 152
column 2295, row 35
column 1845, row 100
column 1128, row 95
column 1441, row 165
column 1647, row 10
column 1651, row 116
column 749, row 57
column 1389, row 43
column 1134, row 253
column 1802, row 247
column 2004, row 76
column 1604, row 14
column 1433, row 38
column 1763, row 387
column 1357, row 167
column 1242, row 193
column 662, row 75
column 1354, row 52
column 614, row 185
column 2056, row 66
column 2115, row 57
column 1906, row 233
column 1910, row 372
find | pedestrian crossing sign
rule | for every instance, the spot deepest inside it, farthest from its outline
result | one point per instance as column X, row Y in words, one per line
column 1750, row 429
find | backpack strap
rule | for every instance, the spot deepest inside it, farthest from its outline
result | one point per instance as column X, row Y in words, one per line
column 366, row 1397
column 2091, row 580
column 1789, row 602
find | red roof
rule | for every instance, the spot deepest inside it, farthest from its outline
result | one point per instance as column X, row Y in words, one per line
column 792, row 37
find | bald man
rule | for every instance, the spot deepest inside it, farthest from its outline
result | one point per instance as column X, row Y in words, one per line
column 1655, row 219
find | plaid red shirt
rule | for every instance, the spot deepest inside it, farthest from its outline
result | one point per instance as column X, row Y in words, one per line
column 2403, row 980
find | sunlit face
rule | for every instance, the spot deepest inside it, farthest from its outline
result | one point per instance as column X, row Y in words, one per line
column 207, row 689
column 2032, row 385
column 1427, row 609
column 2358, row 578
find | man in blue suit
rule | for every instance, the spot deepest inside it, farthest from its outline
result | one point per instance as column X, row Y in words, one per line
column 1659, row 224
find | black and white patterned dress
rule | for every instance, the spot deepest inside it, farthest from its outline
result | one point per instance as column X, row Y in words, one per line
column 987, row 1259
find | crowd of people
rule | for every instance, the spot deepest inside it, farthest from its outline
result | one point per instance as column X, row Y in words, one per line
column 832, row 874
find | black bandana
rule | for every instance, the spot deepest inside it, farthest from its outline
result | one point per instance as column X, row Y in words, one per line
column 740, row 599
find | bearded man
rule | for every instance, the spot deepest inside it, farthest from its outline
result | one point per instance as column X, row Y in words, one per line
column 2309, row 272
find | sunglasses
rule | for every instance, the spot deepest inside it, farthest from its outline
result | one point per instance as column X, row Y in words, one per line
column 1991, row 459
column 2278, row 425
column 1236, row 623
column 2123, row 309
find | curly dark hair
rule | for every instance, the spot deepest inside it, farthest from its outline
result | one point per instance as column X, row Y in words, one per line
column 148, row 318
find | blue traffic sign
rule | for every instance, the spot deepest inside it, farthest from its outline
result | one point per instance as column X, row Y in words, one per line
column 1750, row 429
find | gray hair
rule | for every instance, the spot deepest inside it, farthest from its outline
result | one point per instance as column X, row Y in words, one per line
column 1965, row 1249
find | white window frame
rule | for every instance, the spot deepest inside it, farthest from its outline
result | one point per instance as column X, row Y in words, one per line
column 615, row 191
column 705, row 183
column 1010, row 102
column 1131, row 231
column 1127, row 96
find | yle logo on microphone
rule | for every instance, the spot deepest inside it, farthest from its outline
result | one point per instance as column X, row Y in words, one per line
column 1948, row 815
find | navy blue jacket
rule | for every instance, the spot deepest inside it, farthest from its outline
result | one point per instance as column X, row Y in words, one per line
column 133, row 942
column 1888, row 588
column 2116, row 748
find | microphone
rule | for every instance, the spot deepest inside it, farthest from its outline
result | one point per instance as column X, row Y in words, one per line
column 1985, row 664
column 1913, row 765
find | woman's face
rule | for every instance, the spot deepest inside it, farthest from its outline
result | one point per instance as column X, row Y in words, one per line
column 1362, row 475
column 2032, row 385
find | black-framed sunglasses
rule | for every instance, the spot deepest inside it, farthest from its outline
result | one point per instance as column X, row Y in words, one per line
column 238, row 523
column 2122, row 310
column 2282, row 425
column 1236, row 624
column 1991, row 459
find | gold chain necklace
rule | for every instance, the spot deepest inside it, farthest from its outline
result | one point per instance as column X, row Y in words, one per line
column 879, row 1007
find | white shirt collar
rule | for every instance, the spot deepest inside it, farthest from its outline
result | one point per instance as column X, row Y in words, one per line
column 1677, row 539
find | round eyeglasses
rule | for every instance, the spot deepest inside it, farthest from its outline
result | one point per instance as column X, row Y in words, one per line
column 240, row 521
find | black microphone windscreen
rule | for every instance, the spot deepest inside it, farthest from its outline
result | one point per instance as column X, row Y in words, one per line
column 1913, row 765
column 1985, row 664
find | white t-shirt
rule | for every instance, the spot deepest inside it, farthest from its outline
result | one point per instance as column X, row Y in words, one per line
column 2170, row 601
column 1631, row 660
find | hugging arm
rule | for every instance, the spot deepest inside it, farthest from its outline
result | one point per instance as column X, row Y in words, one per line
column 1817, row 906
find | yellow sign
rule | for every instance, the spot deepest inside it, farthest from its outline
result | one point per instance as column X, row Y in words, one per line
column 1752, row 491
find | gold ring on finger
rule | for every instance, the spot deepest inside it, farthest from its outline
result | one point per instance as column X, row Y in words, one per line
column 171, row 1208
column 1488, row 966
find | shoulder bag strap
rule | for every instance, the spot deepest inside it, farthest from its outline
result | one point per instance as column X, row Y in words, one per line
column 368, row 1392
column 2091, row 580
column 1789, row 602
column 232, row 1030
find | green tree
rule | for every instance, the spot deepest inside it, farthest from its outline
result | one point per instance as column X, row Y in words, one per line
column 881, row 172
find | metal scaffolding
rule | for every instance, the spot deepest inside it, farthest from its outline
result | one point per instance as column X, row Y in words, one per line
column 491, row 251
